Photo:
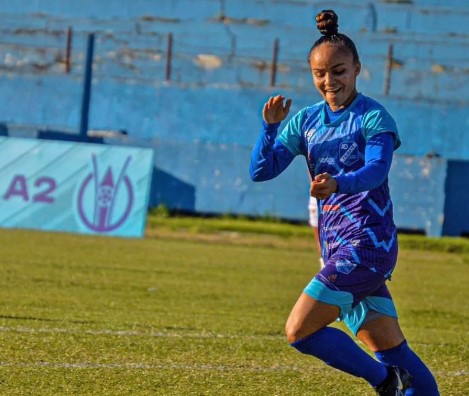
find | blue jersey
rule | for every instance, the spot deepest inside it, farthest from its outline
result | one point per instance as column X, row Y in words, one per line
column 357, row 227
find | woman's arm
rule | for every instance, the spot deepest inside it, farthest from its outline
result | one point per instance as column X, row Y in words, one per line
column 269, row 156
column 378, row 158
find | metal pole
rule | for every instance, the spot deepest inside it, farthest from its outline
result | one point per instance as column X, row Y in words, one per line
column 68, row 50
column 169, row 56
column 273, row 74
column 387, row 80
column 85, row 104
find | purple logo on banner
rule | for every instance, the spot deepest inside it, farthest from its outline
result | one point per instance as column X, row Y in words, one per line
column 112, row 199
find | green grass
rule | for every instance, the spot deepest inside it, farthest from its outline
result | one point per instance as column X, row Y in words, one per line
column 284, row 229
column 198, row 308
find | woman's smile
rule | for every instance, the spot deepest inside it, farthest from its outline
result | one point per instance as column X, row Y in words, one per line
column 334, row 74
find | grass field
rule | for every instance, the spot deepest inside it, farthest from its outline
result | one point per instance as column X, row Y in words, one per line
column 198, row 308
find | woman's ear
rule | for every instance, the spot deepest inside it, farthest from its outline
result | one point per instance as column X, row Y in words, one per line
column 358, row 68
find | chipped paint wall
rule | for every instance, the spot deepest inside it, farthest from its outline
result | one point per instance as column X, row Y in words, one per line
column 205, row 109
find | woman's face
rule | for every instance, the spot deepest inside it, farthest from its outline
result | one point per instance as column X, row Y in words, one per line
column 335, row 74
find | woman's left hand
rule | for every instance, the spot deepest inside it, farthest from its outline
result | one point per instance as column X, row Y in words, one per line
column 274, row 111
column 323, row 186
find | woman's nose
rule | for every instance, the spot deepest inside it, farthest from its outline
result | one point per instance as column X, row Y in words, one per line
column 329, row 79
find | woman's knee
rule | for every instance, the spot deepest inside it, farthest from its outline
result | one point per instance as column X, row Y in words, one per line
column 307, row 317
column 294, row 331
column 381, row 333
column 298, row 327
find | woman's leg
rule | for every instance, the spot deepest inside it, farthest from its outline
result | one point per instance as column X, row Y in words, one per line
column 308, row 316
column 384, row 337
column 307, row 331
column 382, row 332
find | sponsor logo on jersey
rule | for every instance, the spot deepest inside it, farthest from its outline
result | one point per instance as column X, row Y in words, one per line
column 327, row 160
column 333, row 245
column 330, row 208
column 332, row 278
column 309, row 133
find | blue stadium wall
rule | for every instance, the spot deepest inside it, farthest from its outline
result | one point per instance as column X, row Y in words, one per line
column 201, row 113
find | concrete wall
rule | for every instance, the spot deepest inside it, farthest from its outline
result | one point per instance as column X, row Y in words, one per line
column 204, row 120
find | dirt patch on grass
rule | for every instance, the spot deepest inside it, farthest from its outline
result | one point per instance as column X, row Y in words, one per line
column 233, row 238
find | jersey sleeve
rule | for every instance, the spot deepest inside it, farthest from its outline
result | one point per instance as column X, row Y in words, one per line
column 378, row 158
column 378, row 121
column 291, row 137
column 269, row 157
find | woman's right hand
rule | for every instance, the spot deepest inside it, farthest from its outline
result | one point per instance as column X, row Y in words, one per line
column 323, row 186
column 274, row 111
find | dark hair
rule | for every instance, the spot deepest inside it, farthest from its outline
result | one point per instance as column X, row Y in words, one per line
column 328, row 26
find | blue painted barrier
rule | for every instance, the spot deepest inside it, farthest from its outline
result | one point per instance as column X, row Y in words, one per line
column 202, row 124
column 74, row 187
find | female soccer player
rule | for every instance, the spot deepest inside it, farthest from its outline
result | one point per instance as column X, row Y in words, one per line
column 348, row 141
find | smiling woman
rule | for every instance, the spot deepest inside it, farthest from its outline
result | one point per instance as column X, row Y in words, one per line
column 334, row 75
column 348, row 141
column 334, row 71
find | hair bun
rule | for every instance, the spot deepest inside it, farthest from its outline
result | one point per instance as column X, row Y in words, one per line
column 327, row 23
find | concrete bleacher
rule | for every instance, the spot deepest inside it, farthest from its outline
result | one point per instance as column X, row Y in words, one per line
column 203, row 122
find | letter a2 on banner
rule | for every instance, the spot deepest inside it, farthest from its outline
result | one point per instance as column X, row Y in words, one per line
column 74, row 187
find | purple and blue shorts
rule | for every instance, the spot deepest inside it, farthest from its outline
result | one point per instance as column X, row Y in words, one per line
column 355, row 289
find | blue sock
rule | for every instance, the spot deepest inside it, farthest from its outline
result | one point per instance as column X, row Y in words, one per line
column 423, row 382
column 337, row 349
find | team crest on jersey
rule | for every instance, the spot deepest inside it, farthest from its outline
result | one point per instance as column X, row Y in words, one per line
column 348, row 153
column 345, row 266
